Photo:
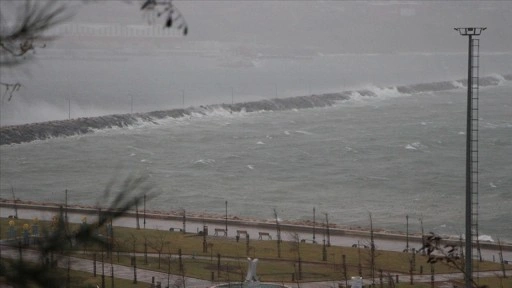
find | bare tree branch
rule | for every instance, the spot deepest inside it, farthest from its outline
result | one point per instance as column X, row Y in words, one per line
column 10, row 88
column 447, row 253
column 165, row 9
column 28, row 27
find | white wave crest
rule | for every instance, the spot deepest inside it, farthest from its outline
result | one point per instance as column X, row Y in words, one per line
column 501, row 79
column 458, row 84
column 303, row 132
column 410, row 147
column 371, row 92
column 204, row 161
column 485, row 238
column 415, row 146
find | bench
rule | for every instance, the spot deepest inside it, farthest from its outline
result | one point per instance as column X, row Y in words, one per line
column 360, row 245
column 220, row 230
column 261, row 234
column 240, row 232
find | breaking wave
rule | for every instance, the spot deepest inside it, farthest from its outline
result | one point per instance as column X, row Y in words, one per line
column 63, row 128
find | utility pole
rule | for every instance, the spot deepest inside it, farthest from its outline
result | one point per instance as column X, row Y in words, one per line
column 314, row 224
column 407, row 233
column 278, row 228
column 183, row 98
column 137, row 214
column 327, row 230
column 232, row 100
column 169, row 272
column 372, row 251
column 471, row 148
column 144, row 211
column 102, row 269
column 422, row 236
column 14, row 202
column 226, row 218
column 66, row 211
column 184, row 221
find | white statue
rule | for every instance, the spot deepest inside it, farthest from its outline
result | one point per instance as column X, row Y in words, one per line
column 251, row 270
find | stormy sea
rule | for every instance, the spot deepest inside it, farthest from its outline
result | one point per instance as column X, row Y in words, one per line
column 347, row 142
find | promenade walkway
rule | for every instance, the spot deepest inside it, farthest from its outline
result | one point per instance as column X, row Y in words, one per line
column 146, row 276
column 337, row 238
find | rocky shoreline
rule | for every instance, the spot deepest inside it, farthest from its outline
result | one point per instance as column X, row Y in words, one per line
column 295, row 226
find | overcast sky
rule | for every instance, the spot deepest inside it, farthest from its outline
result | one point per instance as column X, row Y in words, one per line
column 331, row 26
column 107, row 70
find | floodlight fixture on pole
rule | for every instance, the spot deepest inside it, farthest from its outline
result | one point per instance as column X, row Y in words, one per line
column 470, row 31
column 470, row 149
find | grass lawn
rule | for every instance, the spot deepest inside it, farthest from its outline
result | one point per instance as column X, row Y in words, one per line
column 225, row 258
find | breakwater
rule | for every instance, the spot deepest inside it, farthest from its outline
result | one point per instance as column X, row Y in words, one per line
column 64, row 128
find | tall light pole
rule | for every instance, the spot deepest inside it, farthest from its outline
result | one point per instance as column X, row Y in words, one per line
column 471, row 147
column 183, row 98
column 327, row 230
column 232, row 100
column 226, row 218
column 144, row 211
column 422, row 235
column 407, row 233
column 66, row 211
column 314, row 225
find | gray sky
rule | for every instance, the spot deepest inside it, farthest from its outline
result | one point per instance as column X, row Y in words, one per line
column 254, row 47
column 331, row 26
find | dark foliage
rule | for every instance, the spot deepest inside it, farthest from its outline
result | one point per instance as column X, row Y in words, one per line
column 444, row 253
column 165, row 9
column 27, row 28
column 58, row 243
column 22, row 33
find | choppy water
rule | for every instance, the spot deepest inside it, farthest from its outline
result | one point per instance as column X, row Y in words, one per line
column 392, row 155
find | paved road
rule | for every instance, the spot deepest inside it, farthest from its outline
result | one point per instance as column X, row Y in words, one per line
column 120, row 271
column 146, row 276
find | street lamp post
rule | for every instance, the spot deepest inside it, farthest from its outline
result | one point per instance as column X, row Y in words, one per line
column 183, row 98
column 226, row 218
column 470, row 32
column 407, row 233
column 314, row 225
